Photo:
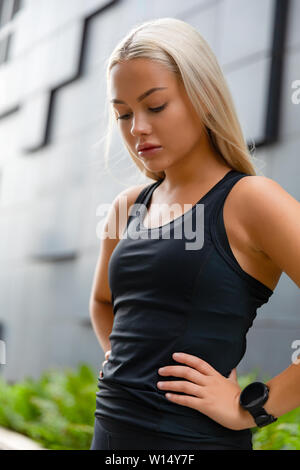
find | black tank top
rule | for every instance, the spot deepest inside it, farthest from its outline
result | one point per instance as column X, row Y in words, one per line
column 172, row 292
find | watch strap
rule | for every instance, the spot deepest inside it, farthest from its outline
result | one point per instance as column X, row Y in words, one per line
column 261, row 417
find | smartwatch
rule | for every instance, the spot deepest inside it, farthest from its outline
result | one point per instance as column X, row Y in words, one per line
column 252, row 399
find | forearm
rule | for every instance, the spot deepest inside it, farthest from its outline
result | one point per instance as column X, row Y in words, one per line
column 102, row 319
column 284, row 394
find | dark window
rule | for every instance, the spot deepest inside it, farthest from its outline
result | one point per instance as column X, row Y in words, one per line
column 1, row 11
column 4, row 48
column 17, row 6
column 8, row 10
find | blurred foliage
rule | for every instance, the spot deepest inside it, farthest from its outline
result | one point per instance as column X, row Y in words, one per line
column 57, row 411
column 283, row 434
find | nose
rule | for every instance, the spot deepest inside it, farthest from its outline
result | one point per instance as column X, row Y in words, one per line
column 140, row 125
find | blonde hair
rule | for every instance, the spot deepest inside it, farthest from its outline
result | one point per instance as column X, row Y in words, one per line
column 181, row 48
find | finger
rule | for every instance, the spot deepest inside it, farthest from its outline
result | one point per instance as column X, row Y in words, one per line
column 188, row 373
column 196, row 362
column 185, row 400
column 181, row 386
column 107, row 354
column 100, row 374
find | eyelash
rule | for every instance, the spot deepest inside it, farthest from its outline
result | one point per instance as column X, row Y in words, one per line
column 154, row 110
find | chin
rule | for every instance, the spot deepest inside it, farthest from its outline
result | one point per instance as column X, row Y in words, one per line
column 157, row 165
column 155, row 168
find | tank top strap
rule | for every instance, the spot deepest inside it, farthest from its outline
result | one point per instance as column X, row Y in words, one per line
column 146, row 193
column 142, row 198
column 219, row 235
column 224, row 189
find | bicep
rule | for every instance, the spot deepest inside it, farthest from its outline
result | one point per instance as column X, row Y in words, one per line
column 100, row 289
column 111, row 234
column 273, row 219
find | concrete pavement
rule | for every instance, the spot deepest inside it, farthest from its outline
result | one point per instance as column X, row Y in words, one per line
column 11, row 440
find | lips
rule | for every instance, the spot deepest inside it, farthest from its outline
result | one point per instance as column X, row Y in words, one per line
column 149, row 151
column 146, row 147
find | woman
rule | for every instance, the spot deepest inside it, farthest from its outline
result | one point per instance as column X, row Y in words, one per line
column 154, row 293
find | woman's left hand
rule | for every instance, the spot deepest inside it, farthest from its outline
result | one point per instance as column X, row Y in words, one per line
column 207, row 391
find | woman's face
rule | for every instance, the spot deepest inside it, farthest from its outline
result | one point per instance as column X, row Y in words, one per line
column 175, row 125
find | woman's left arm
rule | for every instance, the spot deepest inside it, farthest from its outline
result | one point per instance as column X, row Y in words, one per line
column 272, row 217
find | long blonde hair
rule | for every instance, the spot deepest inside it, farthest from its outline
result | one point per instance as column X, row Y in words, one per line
column 182, row 49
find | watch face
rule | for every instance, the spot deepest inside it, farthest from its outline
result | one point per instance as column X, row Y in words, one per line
column 255, row 394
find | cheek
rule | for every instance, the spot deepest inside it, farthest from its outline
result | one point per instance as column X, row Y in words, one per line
column 178, row 118
column 180, row 129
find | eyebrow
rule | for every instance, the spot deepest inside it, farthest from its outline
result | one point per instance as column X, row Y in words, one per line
column 140, row 98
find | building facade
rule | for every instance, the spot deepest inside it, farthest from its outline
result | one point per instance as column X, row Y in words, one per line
column 53, row 177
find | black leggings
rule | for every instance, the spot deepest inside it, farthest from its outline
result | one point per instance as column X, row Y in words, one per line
column 113, row 435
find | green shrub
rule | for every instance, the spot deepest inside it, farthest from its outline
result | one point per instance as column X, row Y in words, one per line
column 57, row 411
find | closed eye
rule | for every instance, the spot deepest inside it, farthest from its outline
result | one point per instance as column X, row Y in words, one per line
column 154, row 110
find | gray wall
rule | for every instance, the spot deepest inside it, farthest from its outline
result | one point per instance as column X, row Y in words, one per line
column 52, row 120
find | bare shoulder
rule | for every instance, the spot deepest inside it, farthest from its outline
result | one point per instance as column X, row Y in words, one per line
column 122, row 203
column 272, row 218
column 252, row 201
column 258, row 185
column 132, row 192
column 128, row 196
column 262, row 194
column 246, row 194
column 258, row 200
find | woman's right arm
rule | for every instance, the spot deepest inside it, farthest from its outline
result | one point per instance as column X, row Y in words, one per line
column 100, row 304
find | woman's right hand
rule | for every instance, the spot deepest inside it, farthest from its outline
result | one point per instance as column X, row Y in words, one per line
column 106, row 359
